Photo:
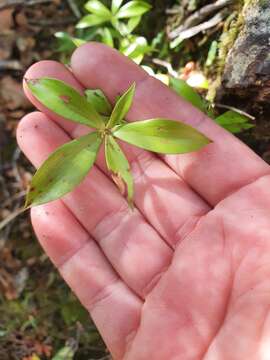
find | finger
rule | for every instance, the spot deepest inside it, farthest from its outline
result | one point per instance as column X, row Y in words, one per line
column 214, row 172
column 88, row 273
column 122, row 234
column 165, row 200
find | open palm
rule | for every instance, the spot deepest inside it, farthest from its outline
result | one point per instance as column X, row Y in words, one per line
column 186, row 274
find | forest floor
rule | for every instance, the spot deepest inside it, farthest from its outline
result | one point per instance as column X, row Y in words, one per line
column 39, row 314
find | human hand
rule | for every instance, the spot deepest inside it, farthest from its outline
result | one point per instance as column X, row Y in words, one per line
column 186, row 274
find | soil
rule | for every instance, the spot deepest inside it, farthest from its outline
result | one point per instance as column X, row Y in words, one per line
column 39, row 314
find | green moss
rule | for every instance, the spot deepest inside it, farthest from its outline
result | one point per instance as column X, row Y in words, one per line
column 232, row 27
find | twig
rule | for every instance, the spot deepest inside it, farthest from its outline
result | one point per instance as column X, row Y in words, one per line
column 53, row 22
column 4, row 189
column 167, row 65
column 186, row 34
column 175, row 10
column 199, row 16
column 241, row 112
column 17, row 196
column 74, row 8
column 10, row 65
column 15, row 158
column 5, row 4
column 11, row 217
column 205, row 11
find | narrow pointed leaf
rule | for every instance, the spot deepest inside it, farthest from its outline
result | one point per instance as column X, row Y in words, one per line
column 63, row 170
column 133, row 8
column 121, row 27
column 99, row 101
column 118, row 164
column 96, row 7
column 122, row 107
column 107, row 37
column 116, row 5
column 136, row 49
column 78, row 42
column 188, row 93
column 126, row 28
column 63, row 100
column 133, row 23
column 234, row 122
column 116, row 24
column 162, row 136
column 65, row 42
column 65, row 353
column 91, row 20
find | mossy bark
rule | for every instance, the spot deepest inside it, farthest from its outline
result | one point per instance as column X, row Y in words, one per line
column 247, row 69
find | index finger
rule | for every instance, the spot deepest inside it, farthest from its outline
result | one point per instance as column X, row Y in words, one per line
column 219, row 169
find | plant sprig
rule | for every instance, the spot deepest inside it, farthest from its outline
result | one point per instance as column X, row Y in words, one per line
column 113, row 26
column 70, row 163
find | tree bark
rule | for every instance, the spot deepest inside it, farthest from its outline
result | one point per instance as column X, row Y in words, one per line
column 247, row 70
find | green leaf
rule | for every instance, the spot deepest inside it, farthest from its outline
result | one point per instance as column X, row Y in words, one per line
column 235, row 129
column 162, row 136
column 63, row 100
column 118, row 164
column 66, row 353
column 96, row 7
column 133, row 8
column 78, row 42
column 116, row 24
column 63, row 170
column 121, row 27
column 136, row 48
column 107, row 37
column 116, row 5
column 234, row 122
column 68, row 43
column 91, row 20
column 122, row 107
column 65, row 42
column 99, row 101
column 231, row 117
column 126, row 29
column 133, row 23
column 177, row 41
column 188, row 93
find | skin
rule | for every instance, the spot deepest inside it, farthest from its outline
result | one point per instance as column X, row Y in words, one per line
column 186, row 274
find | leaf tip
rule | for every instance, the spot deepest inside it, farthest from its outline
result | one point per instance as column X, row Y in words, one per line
column 119, row 182
column 131, row 205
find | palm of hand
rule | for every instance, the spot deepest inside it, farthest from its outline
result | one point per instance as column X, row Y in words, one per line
column 213, row 301
column 185, row 276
